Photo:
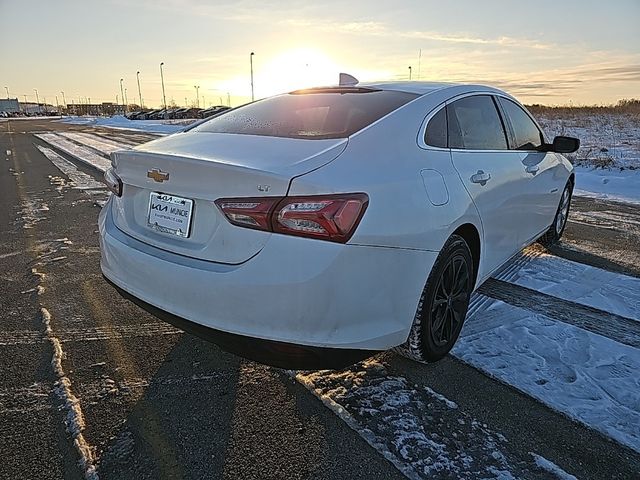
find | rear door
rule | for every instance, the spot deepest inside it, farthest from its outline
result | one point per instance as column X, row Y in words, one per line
column 492, row 174
column 545, row 182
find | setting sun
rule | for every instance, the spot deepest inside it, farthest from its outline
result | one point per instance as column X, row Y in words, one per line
column 291, row 70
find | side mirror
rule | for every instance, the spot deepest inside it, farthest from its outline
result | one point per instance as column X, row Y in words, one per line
column 565, row 145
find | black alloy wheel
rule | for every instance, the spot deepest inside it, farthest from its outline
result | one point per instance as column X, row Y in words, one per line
column 443, row 304
column 450, row 302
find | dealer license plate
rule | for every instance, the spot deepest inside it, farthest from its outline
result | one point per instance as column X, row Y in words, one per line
column 170, row 214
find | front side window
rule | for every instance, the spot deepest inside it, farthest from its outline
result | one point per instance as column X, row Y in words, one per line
column 436, row 133
column 309, row 114
column 474, row 124
column 526, row 132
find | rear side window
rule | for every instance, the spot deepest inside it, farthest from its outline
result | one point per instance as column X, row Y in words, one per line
column 309, row 114
column 436, row 133
column 526, row 132
column 474, row 124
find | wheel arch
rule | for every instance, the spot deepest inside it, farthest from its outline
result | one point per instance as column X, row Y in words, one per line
column 471, row 235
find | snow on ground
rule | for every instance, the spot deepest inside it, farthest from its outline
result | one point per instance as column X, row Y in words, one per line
column 608, row 162
column 421, row 432
column 584, row 284
column 81, row 153
column 79, row 180
column 97, row 143
column 590, row 378
column 552, row 468
column 608, row 184
column 120, row 122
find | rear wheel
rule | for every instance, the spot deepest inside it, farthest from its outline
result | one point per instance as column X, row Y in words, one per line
column 552, row 236
column 443, row 304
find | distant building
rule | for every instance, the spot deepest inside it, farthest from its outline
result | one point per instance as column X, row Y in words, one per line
column 9, row 105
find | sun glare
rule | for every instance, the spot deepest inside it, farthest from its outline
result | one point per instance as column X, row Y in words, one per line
column 291, row 70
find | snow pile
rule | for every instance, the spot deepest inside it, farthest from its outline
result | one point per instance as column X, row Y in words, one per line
column 121, row 122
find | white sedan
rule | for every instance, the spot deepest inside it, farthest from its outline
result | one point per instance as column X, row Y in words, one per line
column 314, row 228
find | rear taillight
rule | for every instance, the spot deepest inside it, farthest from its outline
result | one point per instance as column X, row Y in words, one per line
column 325, row 217
column 113, row 182
column 249, row 212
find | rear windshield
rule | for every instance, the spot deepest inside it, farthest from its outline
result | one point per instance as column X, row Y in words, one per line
column 309, row 114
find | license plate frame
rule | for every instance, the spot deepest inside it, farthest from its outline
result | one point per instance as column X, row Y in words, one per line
column 170, row 214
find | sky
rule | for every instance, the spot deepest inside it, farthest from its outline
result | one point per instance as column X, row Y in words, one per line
column 552, row 52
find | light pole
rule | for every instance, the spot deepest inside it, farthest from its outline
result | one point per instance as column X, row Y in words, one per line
column 139, row 92
column 409, row 72
column 25, row 104
column 197, row 87
column 122, row 94
column 64, row 101
column 7, row 89
column 37, row 100
column 228, row 99
column 58, row 106
column 164, row 98
column 126, row 100
column 251, row 65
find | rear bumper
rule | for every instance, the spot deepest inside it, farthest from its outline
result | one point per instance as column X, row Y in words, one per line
column 295, row 291
column 269, row 352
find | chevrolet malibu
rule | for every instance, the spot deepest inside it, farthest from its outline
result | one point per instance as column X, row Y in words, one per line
column 312, row 229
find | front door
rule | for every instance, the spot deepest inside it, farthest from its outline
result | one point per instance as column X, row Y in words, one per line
column 492, row 174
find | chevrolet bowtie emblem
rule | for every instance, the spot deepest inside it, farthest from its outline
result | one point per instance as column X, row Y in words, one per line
column 158, row 175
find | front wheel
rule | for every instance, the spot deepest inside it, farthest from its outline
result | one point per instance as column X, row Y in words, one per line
column 552, row 236
column 443, row 304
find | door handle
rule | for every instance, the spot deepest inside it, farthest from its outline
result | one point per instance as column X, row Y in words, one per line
column 480, row 177
column 532, row 169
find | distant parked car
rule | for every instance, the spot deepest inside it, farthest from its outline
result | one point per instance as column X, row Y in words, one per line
column 213, row 111
column 192, row 113
column 156, row 115
column 311, row 229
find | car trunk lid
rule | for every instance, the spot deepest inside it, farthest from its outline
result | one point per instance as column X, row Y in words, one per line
column 200, row 168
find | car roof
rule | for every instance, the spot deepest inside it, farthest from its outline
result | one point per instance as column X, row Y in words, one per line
column 424, row 88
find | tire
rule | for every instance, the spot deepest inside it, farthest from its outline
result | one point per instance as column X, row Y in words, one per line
column 443, row 304
column 552, row 236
